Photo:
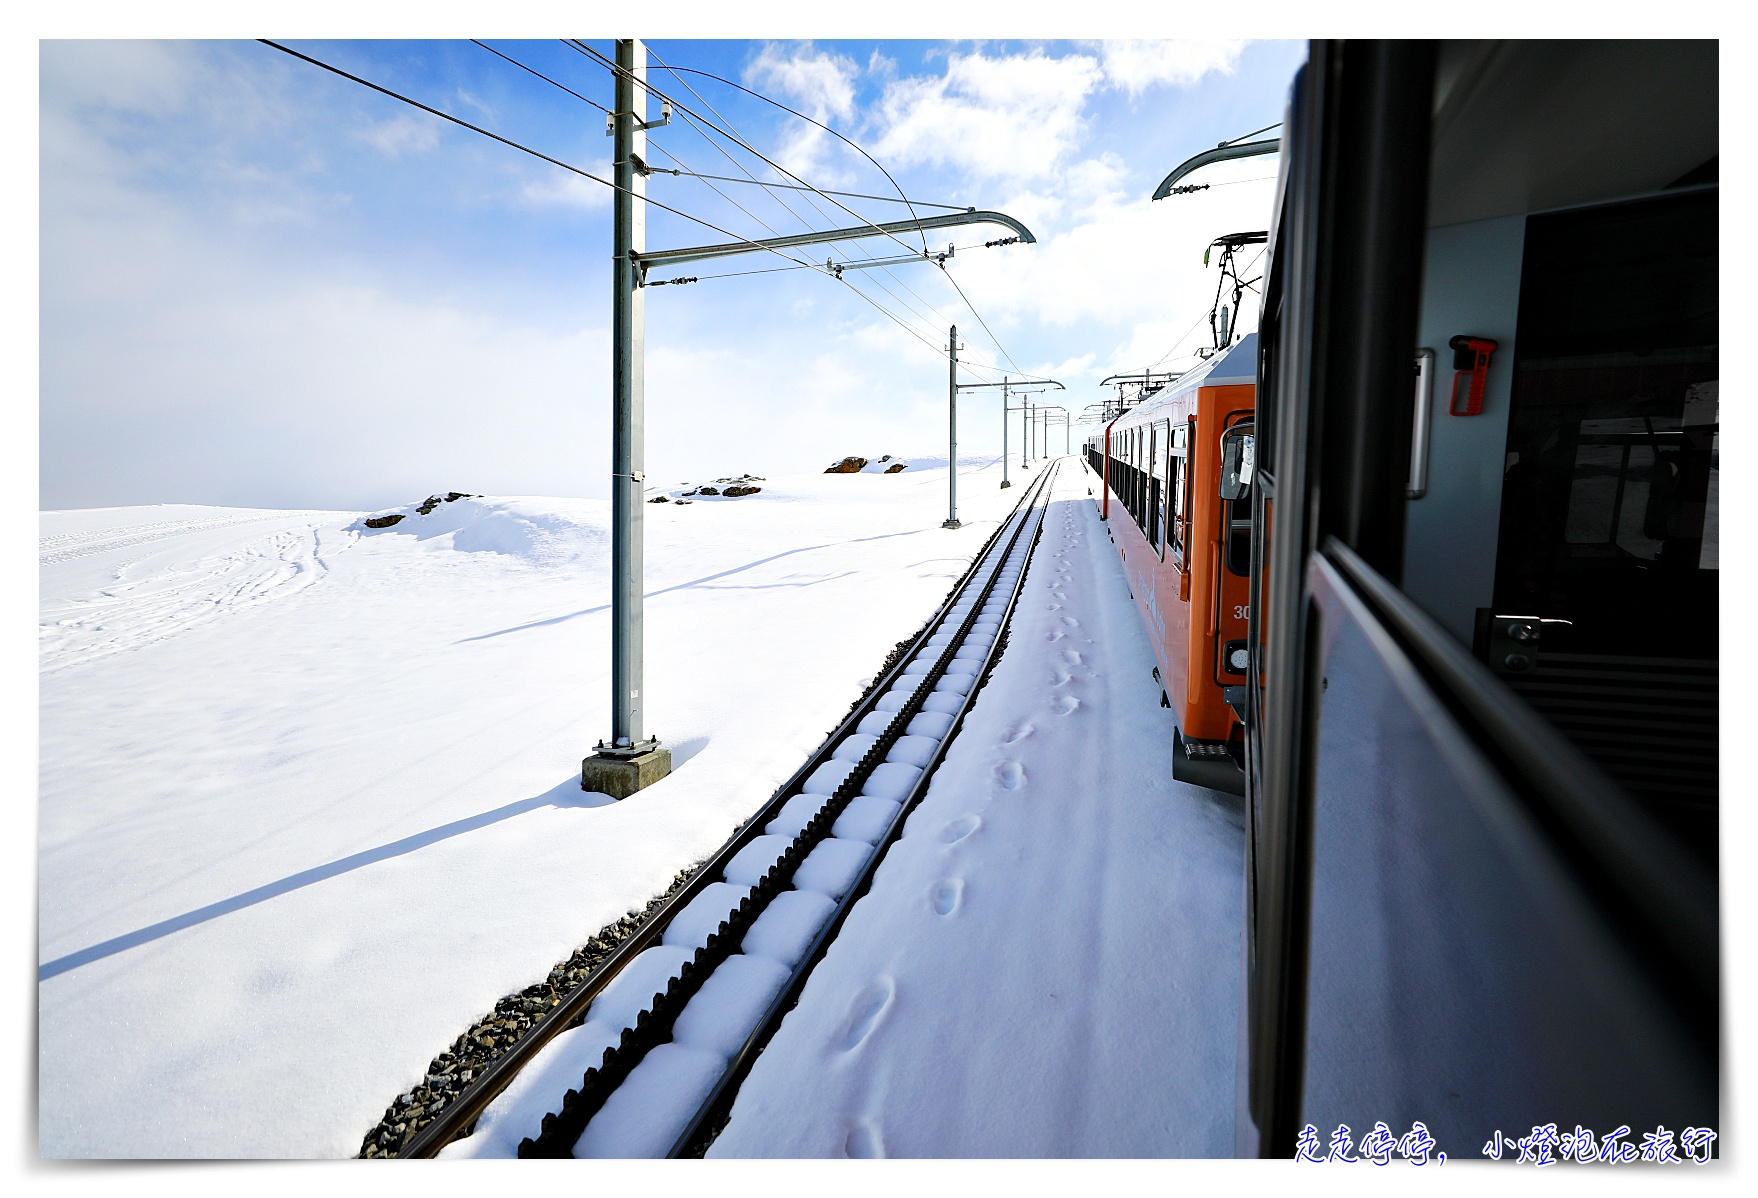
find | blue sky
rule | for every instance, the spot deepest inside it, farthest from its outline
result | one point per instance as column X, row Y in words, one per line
column 263, row 284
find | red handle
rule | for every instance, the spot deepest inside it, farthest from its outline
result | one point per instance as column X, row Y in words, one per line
column 1471, row 357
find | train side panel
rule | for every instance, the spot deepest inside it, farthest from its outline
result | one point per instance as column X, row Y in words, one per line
column 1172, row 538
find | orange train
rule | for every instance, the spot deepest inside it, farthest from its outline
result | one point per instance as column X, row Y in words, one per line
column 1175, row 474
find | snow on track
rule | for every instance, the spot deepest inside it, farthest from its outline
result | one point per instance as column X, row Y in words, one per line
column 650, row 1110
column 1047, row 964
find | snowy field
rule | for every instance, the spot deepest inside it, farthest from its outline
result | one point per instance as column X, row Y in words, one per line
column 309, row 793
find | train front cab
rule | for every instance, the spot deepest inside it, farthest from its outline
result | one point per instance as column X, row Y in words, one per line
column 1186, row 551
column 1482, row 827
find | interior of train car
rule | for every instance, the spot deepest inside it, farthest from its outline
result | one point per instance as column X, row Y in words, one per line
column 1482, row 747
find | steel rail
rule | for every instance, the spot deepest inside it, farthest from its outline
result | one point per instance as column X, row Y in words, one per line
column 712, row 1115
column 460, row 1116
column 562, row 1129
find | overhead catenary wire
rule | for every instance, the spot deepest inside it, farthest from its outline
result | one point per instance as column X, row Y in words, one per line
column 853, row 195
column 679, row 106
column 738, row 138
column 542, row 76
column 740, row 141
column 980, row 320
column 585, row 174
column 732, row 132
column 506, row 141
column 768, row 100
column 1253, row 133
column 595, row 104
column 696, row 123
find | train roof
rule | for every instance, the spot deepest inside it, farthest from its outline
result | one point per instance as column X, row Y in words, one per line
column 1237, row 366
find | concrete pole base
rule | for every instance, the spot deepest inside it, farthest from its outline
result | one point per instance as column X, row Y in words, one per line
column 620, row 777
column 1005, row 485
column 952, row 524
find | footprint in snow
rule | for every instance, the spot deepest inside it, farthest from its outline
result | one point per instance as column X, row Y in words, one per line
column 1015, row 735
column 1071, row 621
column 1052, row 607
column 864, row 1142
column 1070, row 657
column 1057, row 635
column 1011, row 775
column 946, row 895
column 864, row 1013
column 1057, row 595
column 1064, row 704
column 956, row 830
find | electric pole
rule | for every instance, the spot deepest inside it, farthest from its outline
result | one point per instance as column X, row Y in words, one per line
column 952, row 430
column 1004, row 483
column 628, row 761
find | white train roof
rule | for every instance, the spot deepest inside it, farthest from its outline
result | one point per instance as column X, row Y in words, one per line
column 1238, row 365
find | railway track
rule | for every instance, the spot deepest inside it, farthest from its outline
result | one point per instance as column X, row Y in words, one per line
column 683, row 1007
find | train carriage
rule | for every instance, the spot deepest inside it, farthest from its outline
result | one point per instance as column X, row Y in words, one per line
column 1186, row 548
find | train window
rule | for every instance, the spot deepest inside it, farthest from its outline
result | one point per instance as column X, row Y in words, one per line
column 1179, row 487
column 1162, row 483
column 1609, row 492
column 1613, row 428
column 1150, row 512
column 1141, row 481
column 1237, row 470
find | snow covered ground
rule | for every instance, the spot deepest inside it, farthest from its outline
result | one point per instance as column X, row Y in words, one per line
column 309, row 793
column 309, row 796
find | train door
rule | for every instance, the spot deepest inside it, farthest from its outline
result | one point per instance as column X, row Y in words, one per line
column 1233, row 567
column 1456, row 915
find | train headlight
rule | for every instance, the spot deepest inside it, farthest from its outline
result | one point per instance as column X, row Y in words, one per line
column 1235, row 657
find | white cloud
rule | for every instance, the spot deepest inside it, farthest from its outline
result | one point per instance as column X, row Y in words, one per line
column 820, row 81
column 128, row 76
column 466, row 98
column 1015, row 116
column 1127, row 272
column 1136, row 66
column 184, row 368
column 560, row 189
column 817, row 82
column 402, row 134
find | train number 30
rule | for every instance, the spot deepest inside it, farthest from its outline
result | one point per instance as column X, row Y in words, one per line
column 1241, row 612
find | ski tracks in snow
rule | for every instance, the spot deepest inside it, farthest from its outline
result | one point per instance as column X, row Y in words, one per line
column 65, row 547
column 131, row 613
